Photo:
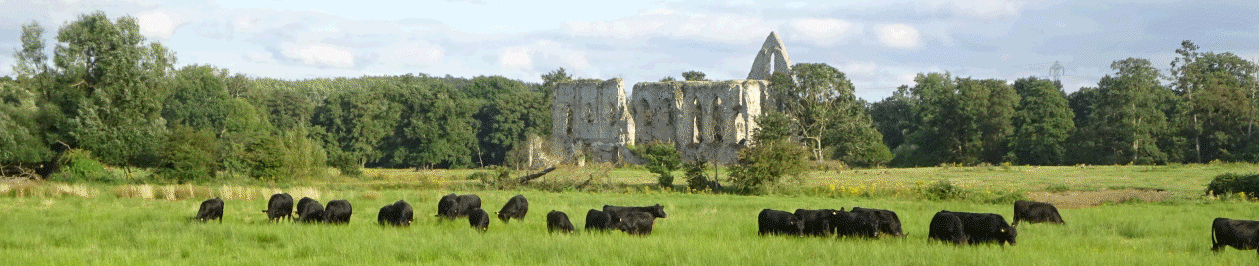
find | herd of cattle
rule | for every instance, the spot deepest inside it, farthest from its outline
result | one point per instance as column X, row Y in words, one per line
column 947, row 226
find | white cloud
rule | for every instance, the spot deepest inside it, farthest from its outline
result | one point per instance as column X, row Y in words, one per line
column 158, row 24
column 823, row 31
column 319, row 54
column 898, row 35
column 515, row 58
column 671, row 23
column 416, row 54
column 863, row 69
column 985, row 8
column 260, row 57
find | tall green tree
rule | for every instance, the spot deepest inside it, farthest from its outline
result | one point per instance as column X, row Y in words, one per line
column 111, row 88
column 31, row 59
column 199, row 99
column 1215, row 103
column 356, row 122
column 694, row 76
column 1128, row 117
column 894, row 116
column 963, row 121
column 1042, row 123
column 811, row 97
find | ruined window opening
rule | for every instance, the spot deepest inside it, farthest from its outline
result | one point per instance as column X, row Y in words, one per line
column 644, row 111
column 590, row 114
column 717, row 120
column 569, row 122
column 696, row 114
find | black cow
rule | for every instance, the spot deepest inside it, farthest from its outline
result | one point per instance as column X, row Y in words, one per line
column 816, row 222
column 558, row 220
column 861, row 224
column 309, row 210
column 1035, row 212
column 397, row 214
column 616, row 213
column 1239, row 234
column 889, row 222
column 338, row 212
column 466, row 203
column 597, row 220
column 279, row 207
column 516, row 207
column 948, row 228
column 211, row 209
column 637, row 223
column 446, row 206
column 984, row 228
column 779, row 222
column 478, row 219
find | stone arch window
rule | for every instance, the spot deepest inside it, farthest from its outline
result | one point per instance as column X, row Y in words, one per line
column 569, row 122
column 644, row 112
column 696, row 114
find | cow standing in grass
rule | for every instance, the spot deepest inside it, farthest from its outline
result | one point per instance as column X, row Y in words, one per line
column 888, row 222
column 597, row 220
column 816, row 222
column 516, row 207
column 465, row 203
column 338, row 212
column 860, row 224
column 478, row 219
column 558, row 221
column 617, row 213
column 309, row 210
column 279, row 206
column 1035, row 212
column 779, row 222
column 446, row 206
column 637, row 223
column 977, row 227
column 211, row 209
column 397, row 214
column 1239, row 234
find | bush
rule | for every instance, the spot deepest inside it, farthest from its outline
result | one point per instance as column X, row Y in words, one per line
column 189, row 155
column 943, row 190
column 500, row 178
column 1232, row 183
column 662, row 159
column 78, row 165
column 695, row 178
column 765, row 164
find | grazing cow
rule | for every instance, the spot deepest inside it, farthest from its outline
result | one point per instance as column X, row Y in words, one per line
column 861, row 224
column 558, row 220
column 637, row 223
column 597, row 220
column 397, row 214
column 816, row 222
column 978, row 227
column 948, row 228
column 466, row 203
column 478, row 219
column 1239, row 234
column 616, row 213
column 309, row 210
column 338, row 212
column 446, row 206
column 210, row 209
column 1035, row 212
column 516, row 207
column 889, row 223
column 279, row 207
column 779, row 222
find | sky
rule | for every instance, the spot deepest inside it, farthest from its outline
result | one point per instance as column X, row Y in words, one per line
column 879, row 45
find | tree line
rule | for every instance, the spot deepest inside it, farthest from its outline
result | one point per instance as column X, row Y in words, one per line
column 108, row 94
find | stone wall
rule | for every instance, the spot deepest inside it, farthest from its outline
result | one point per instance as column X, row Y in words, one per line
column 708, row 121
column 590, row 118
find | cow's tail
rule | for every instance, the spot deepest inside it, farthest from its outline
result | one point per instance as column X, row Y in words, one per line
column 1215, row 242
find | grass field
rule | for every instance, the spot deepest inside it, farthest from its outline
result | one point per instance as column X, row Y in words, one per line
column 701, row 229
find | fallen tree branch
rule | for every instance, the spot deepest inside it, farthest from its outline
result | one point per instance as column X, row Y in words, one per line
column 525, row 179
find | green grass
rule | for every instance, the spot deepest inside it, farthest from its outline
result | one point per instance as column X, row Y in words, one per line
column 48, row 225
column 702, row 229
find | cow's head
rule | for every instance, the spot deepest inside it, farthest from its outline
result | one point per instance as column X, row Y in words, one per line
column 658, row 211
column 1009, row 234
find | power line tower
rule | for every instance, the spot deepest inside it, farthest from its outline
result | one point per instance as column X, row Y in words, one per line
column 1056, row 71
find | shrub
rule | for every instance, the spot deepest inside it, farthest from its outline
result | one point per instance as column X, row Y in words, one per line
column 763, row 165
column 1231, row 183
column 943, row 190
column 189, row 155
column 78, row 165
column 661, row 159
column 695, row 178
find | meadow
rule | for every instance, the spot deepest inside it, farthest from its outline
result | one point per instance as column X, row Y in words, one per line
column 111, row 225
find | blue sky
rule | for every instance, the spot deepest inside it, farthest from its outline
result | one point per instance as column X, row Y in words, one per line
column 878, row 44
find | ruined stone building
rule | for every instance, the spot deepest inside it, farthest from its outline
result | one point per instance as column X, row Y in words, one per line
column 705, row 120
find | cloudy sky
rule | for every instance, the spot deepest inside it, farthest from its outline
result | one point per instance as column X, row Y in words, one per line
column 879, row 44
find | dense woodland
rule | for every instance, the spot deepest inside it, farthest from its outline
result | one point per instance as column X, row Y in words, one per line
column 108, row 95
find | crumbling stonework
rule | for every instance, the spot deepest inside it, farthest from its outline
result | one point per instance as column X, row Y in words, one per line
column 590, row 120
column 772, row 50
column 707, row 121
